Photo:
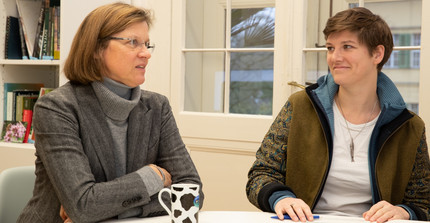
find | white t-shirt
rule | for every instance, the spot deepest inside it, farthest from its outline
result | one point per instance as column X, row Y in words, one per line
column 347, row 190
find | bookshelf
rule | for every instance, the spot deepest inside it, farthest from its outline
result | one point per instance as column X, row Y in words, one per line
column 48, row 72
column 22, row 71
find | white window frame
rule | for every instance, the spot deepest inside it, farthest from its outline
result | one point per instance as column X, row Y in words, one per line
column 232, row 127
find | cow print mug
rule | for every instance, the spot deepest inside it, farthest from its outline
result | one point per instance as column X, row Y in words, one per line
column 185, row 202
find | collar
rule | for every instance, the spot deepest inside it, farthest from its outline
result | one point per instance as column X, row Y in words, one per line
column 390, row 99
column 112, row 104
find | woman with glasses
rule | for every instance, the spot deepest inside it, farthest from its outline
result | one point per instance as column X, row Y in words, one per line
column 346, row 145
column 105, row 147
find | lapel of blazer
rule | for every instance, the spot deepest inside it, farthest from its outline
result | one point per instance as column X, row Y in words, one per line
column 139, row 132
column 93, row 119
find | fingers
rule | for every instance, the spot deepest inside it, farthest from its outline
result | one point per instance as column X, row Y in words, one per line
column 384, row 211
column 63, row 214
column 168, row 178
column 163, row 174
column 296, row 208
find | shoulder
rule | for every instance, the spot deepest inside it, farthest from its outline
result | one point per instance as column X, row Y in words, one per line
column 62, row 94
column 417, row 123
column 155, row 100
column 153, row 96
column 298, row 100
column 298, row 96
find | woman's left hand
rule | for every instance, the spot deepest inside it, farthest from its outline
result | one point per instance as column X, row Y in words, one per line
column 384, row 211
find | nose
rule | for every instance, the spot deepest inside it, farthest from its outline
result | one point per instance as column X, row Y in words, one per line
column 336, row 55
column 144, row 52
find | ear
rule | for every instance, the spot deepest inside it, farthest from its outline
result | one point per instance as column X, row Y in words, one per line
column 98, row 54
column 378, row 54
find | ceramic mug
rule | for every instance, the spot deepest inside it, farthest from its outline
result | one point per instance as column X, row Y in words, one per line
column 184, row 202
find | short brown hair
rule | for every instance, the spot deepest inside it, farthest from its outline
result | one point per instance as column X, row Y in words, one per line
column 84, row 63
column 372, row 30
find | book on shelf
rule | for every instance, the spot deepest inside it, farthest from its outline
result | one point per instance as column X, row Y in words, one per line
column 8, row 96
column 40, row 21
column 38, row 37
column 29, row 15
column 57, row 33
column 12, row 39
column 45, row 90
column 27, row 116
column 45, row 31
column 20, row 97
column 13, row 131
column 24, row 50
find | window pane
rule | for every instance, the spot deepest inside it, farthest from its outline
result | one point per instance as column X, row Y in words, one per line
column 252, row 28
column 204, row 82
column 316, row 66
column 205, row 24
column 251, row 83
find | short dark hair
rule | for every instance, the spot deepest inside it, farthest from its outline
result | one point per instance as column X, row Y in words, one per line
column 371, row 29
column 84, row 63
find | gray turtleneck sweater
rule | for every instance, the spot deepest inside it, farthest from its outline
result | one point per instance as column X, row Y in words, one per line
column 117, row 100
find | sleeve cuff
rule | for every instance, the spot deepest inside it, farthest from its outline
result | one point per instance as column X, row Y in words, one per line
column 152, row 181
column 277, row 196
column 412, row 215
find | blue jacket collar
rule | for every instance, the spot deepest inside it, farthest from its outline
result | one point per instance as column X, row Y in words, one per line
column 391, row 101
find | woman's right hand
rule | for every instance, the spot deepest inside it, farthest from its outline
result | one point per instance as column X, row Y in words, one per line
column 64, row 215
column 296, row 208
column 167, row 179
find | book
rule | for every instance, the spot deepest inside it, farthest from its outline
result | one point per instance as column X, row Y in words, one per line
column 29, row 18
column 8, row 95
column 24, row 50
column 27, row 115
column 13, row 131
column 20, row 103
column 39, row 34
column 45, row 32
column 45, row 90
column 12, row 39
column 17, row 103
column 56, row 33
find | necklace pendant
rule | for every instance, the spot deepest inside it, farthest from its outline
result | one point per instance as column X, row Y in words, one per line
column 351, row 150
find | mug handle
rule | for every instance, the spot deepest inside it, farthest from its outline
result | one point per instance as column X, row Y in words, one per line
column 161, row 199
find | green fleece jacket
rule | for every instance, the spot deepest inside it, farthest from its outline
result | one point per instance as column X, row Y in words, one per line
column 295, row 154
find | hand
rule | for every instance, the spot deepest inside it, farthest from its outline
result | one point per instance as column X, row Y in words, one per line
column 167, row 177
column 296, row 208
column 384, row 211
column 64, row 215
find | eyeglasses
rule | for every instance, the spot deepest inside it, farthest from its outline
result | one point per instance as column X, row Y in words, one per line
column 135, row 44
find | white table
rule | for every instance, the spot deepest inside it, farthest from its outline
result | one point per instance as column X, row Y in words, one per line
column 249, row 217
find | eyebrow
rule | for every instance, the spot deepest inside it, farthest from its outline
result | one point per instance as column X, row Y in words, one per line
column 343, row 42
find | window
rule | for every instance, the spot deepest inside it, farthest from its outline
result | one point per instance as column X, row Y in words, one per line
column 229, row 56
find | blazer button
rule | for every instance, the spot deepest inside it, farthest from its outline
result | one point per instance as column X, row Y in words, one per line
column 126, row 203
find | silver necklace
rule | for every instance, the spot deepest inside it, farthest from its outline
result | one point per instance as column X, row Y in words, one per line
column 351, row 144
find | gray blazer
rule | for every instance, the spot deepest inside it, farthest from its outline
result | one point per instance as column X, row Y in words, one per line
column 75, row 163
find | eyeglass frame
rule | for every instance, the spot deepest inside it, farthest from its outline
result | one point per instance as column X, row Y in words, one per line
column 134, row 43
